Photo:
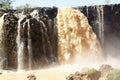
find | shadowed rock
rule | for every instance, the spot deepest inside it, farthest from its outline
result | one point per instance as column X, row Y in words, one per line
column 10, row 33
column 31, row 77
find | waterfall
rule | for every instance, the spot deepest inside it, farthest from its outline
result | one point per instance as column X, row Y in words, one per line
column 87, row 12
column 29, row 47
column 20, row 47
column 75, row 36
column 100, row 19
column 40, row 44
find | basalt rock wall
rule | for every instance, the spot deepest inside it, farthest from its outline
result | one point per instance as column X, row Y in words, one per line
column 10, row 33
column 42, row 34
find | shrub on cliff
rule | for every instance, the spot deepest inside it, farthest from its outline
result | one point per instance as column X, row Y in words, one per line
column 5, row 4
column 93, row 74
column 22, row 7
column 91, row 71
column 114, row 75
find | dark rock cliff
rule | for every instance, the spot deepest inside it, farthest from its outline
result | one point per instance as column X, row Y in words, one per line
column 9, row 37
column 43, row 36
column 105, row 21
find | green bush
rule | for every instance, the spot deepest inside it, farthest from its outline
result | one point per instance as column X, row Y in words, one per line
column 5, row 4
column 22, row 7
column 91, row 71
column 114, row 75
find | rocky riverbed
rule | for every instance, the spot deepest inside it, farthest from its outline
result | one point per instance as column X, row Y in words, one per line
column 105, row 72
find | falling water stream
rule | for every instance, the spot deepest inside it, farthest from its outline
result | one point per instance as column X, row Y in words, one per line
column 20, row 46
column 100, row 19
column 29, row 46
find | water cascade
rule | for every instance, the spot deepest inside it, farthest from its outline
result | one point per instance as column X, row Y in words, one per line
column 20, row 47
column 29, row 46
column 100, row 23
column 76, row 36
column 24, row 44
column 36, row 34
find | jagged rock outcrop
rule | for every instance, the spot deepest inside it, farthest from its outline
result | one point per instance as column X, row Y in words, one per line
column 106, row 72
column 84, row 76
column 31, row 77
column 112, row 30
column 78, row 76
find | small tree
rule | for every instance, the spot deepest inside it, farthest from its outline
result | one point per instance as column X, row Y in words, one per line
column 114, row 75
column 22, row 7
column 5, row 4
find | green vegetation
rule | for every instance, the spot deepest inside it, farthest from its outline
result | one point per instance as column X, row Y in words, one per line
column 22, row 7
column 5, row 4
column 91, row 71
column 114, row 75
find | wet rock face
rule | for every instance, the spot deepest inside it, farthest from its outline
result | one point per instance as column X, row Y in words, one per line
column 42, row 33
column 10, row 33
column 6, row 11
column 110, row 29
column 43, row 36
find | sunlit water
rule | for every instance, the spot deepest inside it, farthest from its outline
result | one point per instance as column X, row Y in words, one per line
column 76, row 37
column 20, row 47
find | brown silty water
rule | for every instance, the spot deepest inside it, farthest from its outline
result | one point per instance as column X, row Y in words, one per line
column 76, row 37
